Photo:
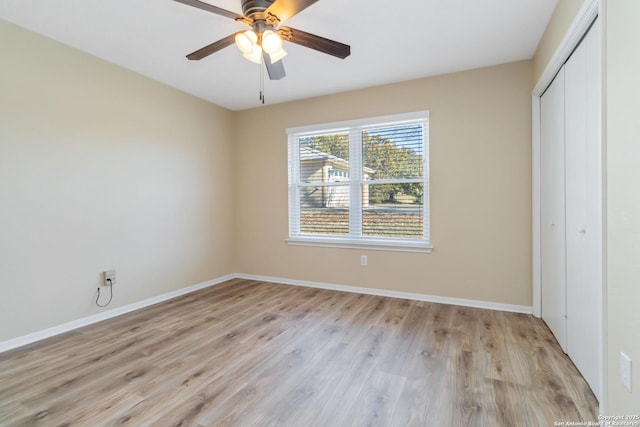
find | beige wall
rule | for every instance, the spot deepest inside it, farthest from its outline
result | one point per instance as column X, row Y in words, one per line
column 623, row 198
column 480, row 132
column 101, row 168
column 557, row 27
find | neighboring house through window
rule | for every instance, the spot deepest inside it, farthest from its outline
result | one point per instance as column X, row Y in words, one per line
column 361, row 183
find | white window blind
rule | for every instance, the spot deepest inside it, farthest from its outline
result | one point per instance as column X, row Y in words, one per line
column 361, row 183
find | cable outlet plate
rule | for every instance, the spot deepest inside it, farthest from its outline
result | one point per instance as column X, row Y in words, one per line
column 109, row 278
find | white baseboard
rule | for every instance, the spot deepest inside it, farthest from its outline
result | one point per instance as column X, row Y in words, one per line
column 525, row 309
column 75, row 324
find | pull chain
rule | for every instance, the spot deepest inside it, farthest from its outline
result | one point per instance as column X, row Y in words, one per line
column 262, row 84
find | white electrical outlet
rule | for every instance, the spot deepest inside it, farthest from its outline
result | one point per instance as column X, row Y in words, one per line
column 109, row 278
column 363, row 260
column 625, row 370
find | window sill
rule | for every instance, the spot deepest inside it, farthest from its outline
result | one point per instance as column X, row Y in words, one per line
column 377, row 245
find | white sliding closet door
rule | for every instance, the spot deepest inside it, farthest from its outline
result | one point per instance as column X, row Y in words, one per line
column 552, row 206
column 583, row 208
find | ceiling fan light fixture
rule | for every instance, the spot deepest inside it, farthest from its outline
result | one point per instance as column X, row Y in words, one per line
column 278, row 55
column 263, row 42
column 271, row 42
column 247, row 42
column 255, row 55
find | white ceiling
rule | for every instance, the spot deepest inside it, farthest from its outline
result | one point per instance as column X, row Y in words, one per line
column 390, row 41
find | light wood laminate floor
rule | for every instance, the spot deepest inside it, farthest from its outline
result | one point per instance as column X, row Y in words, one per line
column 247, row 353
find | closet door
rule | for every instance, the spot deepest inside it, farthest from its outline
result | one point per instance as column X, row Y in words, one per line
column 583, row 208
column 552, row 206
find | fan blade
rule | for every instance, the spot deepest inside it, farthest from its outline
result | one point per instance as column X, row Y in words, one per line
column 275, row 70
column 312, row 41
column 212, row 48
column 285, row 9
column 211, row 8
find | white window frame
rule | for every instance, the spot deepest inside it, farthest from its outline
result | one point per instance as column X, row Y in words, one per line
column 355, row 239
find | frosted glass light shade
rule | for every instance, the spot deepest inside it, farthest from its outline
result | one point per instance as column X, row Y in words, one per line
column 271, row 42
column 278, row 55
column 246, row 41
column 255, row 55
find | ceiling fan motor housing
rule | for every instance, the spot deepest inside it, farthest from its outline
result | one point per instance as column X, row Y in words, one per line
column 255, row 8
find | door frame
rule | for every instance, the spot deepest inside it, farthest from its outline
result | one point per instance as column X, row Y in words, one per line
column 588, row 12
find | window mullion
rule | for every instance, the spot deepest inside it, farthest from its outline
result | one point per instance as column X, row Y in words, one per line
column 355, row 172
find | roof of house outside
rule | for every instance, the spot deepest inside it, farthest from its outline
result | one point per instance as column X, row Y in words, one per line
column 309, row 154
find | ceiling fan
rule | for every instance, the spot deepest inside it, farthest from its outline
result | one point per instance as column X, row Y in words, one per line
column 263, row 42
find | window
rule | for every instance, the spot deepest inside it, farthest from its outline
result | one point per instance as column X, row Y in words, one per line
column 362, row 183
